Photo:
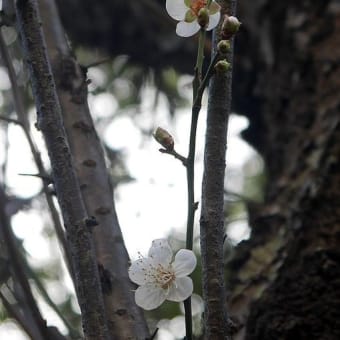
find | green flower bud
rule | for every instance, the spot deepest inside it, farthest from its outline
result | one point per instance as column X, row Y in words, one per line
column 230, row 26
column 222, row 66
column 164, row 138
column 223, row 47
column 203, row 17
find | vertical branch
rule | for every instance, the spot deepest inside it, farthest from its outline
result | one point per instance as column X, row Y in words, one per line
column 190, row 165
column 212, row 215
column 66, row 185
column 125, row 319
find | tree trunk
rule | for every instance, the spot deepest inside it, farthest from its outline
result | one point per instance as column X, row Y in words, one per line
column 285, row 279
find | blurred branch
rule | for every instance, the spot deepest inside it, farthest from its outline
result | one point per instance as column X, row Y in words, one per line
column 18, row 268
column 74, row 334
column 7, row 119
column 14, row 312
column 66, row 184
column 24, row 123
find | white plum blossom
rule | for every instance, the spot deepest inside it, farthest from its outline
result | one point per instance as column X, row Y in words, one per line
column 160, row 277
column 186, row 12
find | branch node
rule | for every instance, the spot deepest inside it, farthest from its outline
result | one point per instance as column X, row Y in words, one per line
column 176, row 155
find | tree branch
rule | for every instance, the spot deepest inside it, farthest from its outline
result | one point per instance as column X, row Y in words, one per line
column 212, row 215
column 66, row 185
column 125, row 319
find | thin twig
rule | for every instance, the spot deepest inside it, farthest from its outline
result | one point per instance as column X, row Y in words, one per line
column 196, row 107
column 97, row 62
column 176, row 155
column 10, row 120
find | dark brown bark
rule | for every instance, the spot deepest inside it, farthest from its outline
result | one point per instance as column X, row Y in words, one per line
column 66, row 185
column 285, row 278
column 126, row 320
column 212, row 214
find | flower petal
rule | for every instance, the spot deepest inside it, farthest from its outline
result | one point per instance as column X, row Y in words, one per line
column 160, row 252
column 185, row 262
column 213, row 20
column 180, row 290
column 176, row 9
column 187, row 29
column 141, row 271
column 149, row 296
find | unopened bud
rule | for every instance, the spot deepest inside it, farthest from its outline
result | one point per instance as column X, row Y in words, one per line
column 222, row 66
column 223, row 47
column 230, row 26
column 164, row 138
column 203, row 17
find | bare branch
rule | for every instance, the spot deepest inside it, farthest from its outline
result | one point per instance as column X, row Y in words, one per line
column 212, row 215
column 126, row 320
column 66, row 185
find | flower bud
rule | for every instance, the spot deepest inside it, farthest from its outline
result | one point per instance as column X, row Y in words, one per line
column 230, row 26
column 223, row 47
column 203, row 17
column 222, row 66
column 164, row 138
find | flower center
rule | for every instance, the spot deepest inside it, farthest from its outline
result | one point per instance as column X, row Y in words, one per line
column 196, row 5
column 164, row 276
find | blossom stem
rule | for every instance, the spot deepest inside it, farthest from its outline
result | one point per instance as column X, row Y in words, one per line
column 190, row 166
column 199, row 62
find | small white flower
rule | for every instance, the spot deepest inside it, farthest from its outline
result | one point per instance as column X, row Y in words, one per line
column 161, row 279
column 186, row 12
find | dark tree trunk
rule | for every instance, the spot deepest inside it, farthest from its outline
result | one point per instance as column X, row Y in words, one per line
column 285, row 279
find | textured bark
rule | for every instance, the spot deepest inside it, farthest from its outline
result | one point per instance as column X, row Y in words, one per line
column 285, row 278
column 126, row 320
column 66, row 185
column 212, row 214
